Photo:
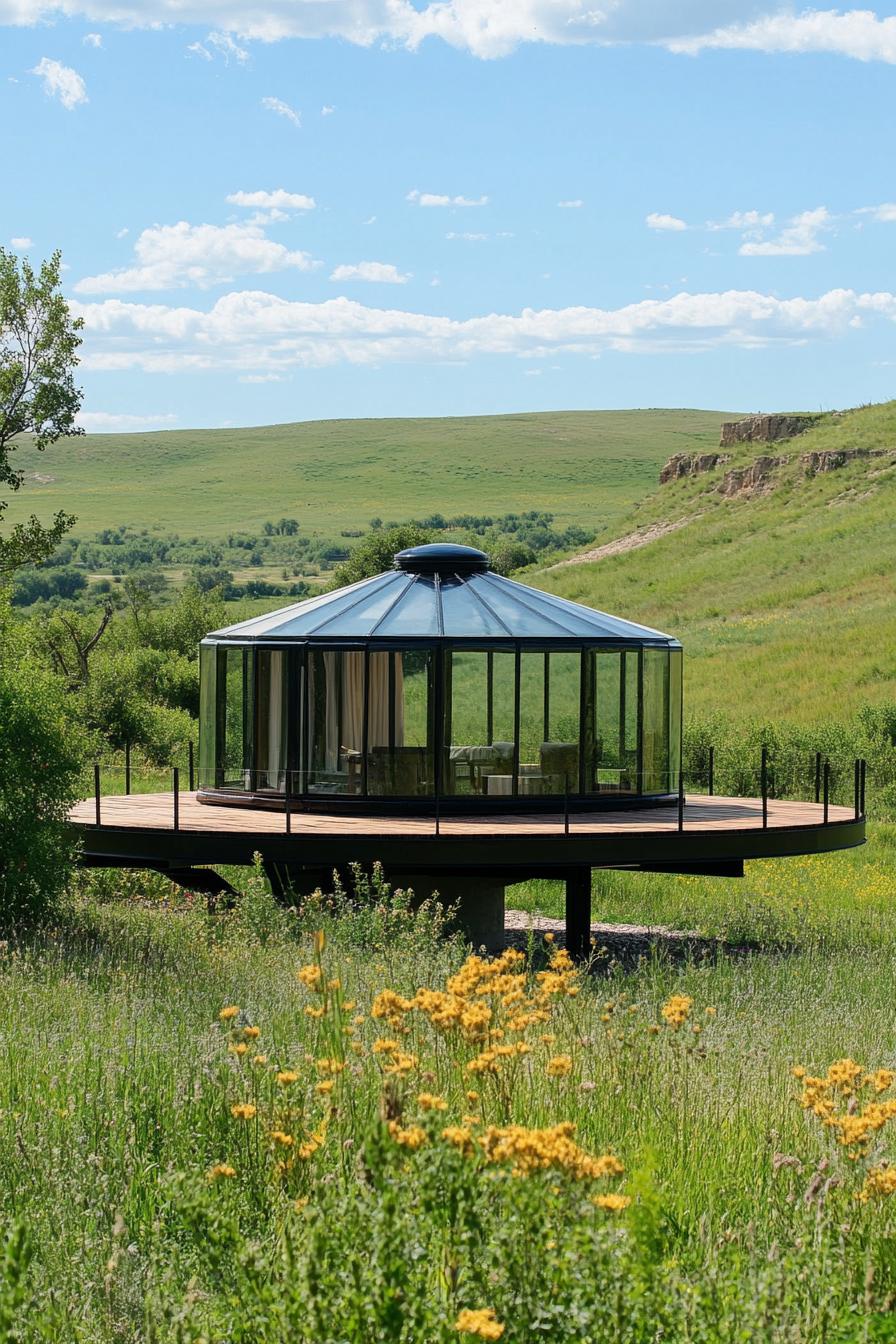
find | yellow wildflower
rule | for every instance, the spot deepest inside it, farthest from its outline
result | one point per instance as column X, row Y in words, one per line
column 483, row 1323
column 314, row 1012
column 332, row 1066
column 227, row 1014
column 310, row 976
column 676, row 1010
column 413, row 1137
column 287, row 1076
column 219, row 1170
column 559, row 1066
column 612, row 1203
column 401, row 1063
column 428, row 1101
column 251, row 1033
column 460, row 1136
column 259, row 1060
column 284, row 1140
column 244, row 1110
column 880, row 1181
column 240, row 1048
column 384, row 1046
column 528, row 1150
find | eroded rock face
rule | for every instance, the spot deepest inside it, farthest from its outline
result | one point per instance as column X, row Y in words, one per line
column 764, row 428
column 691, row 464
column 831, row 459
column 755, row 479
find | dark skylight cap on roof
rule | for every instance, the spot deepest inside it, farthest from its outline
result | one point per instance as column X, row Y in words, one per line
column 442, row 558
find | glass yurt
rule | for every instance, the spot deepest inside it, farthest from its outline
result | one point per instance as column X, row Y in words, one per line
column 439, row 685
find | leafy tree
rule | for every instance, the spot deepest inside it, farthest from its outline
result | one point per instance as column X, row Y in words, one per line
column 39, row 340
column 376, row 552
column 41, row 749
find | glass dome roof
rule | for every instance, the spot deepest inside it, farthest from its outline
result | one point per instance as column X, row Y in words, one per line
column 440, row 592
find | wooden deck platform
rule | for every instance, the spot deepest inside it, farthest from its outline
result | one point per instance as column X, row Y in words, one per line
column 141, row 826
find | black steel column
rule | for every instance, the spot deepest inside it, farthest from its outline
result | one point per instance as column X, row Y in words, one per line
column 578, row 911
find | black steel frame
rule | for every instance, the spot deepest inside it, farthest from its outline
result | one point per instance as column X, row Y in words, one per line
column 299, row 716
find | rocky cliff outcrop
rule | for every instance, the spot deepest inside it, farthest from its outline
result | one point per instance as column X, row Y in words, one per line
column 831, row 459
column 764, row 428
column 755, row 479
column 691, row 464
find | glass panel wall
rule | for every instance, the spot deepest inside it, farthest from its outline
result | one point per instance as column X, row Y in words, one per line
column 208, row 711
column 480, row 712
column 270, row 720
column 399, row 725
column 612, row 721
column 335, row 734
column 234, row 676
column 549, row 723
column 656, row 722
column 676, row 660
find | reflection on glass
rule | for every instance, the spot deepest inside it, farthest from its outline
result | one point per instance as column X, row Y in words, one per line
column 208, row 706
column 234, row 750
column 655, row 723
column 675, row 689
column 270, row 720
column 399, row 735
column 479, row 722
column 335, row 721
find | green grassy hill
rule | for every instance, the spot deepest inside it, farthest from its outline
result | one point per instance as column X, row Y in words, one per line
column 785, row 600
column 587, row 467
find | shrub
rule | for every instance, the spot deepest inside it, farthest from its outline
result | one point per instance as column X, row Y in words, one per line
column 41, row 753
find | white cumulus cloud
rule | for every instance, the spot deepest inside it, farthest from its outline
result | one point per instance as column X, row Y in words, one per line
column 857, row 33
column 282, row 109
column 61, row 81
column 111, row 422
column 570, row 205
column 494, row 28
column 377, row 272
column 799, row 237
column 280, row 199
column 252, row 331
column 172, row 256
column 21, row 243
column 429, row 199
column 92, row 40
column 668, row 223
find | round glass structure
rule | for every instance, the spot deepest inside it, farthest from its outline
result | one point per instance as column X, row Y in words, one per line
column 439, row 684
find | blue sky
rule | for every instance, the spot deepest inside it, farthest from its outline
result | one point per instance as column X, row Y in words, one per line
column 299, row 210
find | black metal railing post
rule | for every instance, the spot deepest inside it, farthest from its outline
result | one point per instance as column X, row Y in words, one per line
column 764, row 773
column 857, row 787
column 566, row 804
column 191, row 765
column 862, row 792
column 175, row 784
column 681, row 800
column 438, row 814
column 127, row 767
column 818, row 776
column 712, row 771
column 827, row 790
column 96, row 789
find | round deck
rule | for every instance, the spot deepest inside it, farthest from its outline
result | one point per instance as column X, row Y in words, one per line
column 140, row 828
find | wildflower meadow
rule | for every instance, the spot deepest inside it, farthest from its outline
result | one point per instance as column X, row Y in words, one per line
column 343, row 1124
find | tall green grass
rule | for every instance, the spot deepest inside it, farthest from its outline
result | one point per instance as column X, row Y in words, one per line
column 116, row 1086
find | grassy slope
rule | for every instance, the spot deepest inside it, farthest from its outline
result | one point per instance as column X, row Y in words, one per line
column 587, row 467
column 784, row 601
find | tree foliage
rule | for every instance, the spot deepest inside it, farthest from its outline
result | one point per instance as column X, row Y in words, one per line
column 41, row 750
column 39, row 341
column 375, row 553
